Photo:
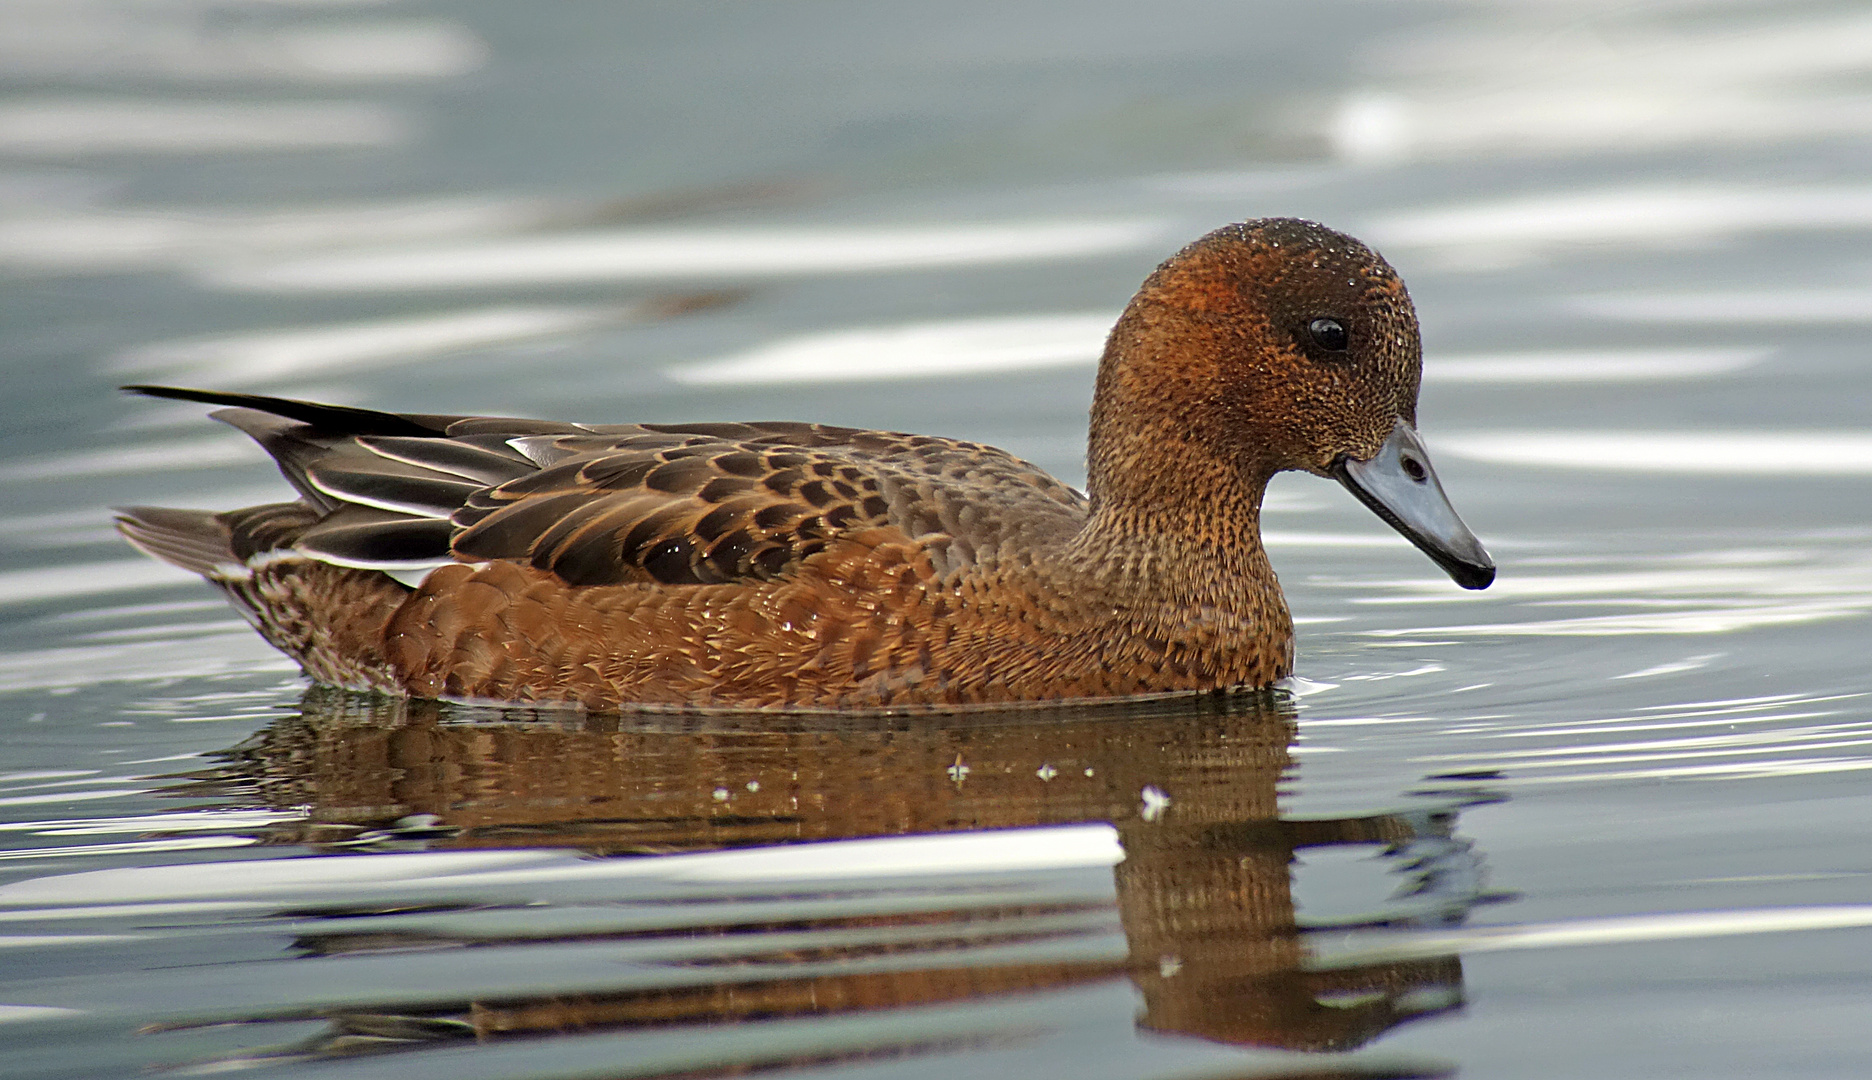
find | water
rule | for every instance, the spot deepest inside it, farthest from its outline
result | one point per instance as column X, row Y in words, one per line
column 1605, row 819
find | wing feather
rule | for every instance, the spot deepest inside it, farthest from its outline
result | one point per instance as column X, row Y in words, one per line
column 374, row 539
column 351, row 474
column 456, row 457
column 677, row 504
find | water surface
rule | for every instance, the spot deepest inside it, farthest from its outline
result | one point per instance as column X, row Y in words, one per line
column 1604, row 819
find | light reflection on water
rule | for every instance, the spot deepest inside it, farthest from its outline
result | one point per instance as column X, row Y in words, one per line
column 1632, row 235
column 1485, row 234
column 1608, row 77
column 269, row 359
column 185, row 42
column 713, row 254
column 114, row 239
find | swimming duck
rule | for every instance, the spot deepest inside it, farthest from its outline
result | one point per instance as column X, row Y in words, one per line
column 799, row 566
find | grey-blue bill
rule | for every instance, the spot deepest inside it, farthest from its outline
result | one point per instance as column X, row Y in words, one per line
column 1399, row 485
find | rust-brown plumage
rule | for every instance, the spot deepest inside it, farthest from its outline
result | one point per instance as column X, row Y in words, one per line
column 788, row 565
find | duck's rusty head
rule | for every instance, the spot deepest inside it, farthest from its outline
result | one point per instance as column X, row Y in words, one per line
column 1281, row 344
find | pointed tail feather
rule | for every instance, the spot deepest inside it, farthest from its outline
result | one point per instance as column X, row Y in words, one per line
column 337, row 419
column 194, row 540
column 216, row 546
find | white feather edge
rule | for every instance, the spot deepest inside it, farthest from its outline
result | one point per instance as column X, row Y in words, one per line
column 406, row 509
column 418, row 462
column 409, row 572
column 538, row 454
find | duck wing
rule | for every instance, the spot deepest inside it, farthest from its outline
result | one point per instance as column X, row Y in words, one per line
column 674, row 504
column 710, row 503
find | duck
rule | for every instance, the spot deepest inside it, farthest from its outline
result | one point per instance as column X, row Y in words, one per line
column 787, row 565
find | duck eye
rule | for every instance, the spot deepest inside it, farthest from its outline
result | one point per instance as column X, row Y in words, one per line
column 1328, row 334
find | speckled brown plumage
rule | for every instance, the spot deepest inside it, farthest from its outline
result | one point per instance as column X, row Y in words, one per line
column 793, row 565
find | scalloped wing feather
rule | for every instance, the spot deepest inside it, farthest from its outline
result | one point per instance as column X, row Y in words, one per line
column 706, row 504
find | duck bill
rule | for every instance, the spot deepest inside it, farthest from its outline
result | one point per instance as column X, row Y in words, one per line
column 1399, row 485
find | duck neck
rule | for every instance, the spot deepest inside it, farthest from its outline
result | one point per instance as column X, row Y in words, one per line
column 1176, row 462
column 1174, row 526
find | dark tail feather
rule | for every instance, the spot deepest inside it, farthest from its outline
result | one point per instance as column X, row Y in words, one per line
column 336, row 419
column 291, row 444
column 194, row 540
column 213, row 545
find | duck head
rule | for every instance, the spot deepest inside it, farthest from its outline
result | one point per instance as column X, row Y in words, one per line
column 1265, row 346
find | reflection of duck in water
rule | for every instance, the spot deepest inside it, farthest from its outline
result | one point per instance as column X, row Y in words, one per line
column 1204, row 901
column 795, row 565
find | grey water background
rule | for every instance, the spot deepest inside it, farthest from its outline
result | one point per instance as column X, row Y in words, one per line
column 1636, row 235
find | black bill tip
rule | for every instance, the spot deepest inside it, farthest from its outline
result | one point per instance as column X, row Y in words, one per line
column 1398, row 484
